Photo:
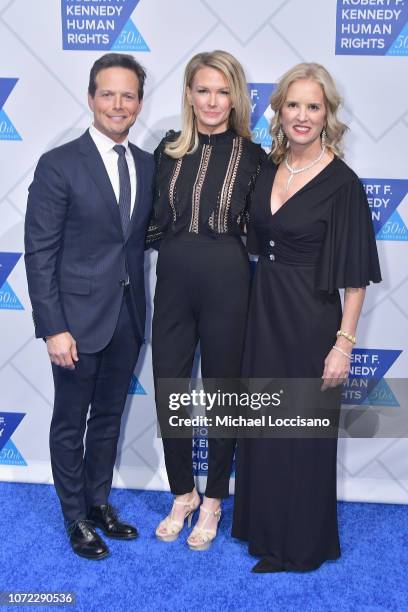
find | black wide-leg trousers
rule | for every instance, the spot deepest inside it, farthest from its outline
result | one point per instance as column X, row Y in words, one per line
column 201, row 296
column 99, row 383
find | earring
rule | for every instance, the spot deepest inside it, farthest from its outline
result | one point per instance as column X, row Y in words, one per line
column 324, row 136
column 279, row 136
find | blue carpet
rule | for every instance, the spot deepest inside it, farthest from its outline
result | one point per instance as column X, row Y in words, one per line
column 149, row 575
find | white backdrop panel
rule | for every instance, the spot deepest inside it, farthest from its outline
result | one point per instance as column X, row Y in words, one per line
column 47, row 107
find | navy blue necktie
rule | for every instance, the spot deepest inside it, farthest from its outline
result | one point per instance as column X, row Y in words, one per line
column 124, row 187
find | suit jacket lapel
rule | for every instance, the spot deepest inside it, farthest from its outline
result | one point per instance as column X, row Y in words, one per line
column 97, row 170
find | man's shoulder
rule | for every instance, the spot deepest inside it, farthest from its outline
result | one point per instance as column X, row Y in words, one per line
column 143, row 156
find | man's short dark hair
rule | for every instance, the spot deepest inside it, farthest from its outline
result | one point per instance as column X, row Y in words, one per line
column 116, row 60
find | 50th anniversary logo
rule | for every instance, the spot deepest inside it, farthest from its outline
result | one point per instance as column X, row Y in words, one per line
column 7, row 129
column 384, row 197
column 100, row 26
column 8, row 299
column 372, row 27
column 261, row 112
column 9, row 453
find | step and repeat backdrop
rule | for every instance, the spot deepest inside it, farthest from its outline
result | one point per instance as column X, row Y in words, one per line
column 47, row 48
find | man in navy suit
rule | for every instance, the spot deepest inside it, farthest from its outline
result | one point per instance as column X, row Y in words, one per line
column 87, row 213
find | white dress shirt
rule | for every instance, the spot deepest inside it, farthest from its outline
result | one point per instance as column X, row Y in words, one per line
column 110, row 159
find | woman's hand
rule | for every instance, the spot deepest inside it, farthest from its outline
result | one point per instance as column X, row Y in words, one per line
column 337, row 362
column 336, row 369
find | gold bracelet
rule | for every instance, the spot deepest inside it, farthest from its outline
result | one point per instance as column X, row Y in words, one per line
column 339, row 350
column 347, row 336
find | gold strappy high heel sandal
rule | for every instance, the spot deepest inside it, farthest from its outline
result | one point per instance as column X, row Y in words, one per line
column 205, row 536
column 169, row 528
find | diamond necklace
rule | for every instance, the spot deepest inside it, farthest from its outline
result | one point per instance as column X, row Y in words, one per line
column 294, row 171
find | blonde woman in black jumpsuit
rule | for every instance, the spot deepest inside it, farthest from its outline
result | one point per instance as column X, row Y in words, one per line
column 205, row 175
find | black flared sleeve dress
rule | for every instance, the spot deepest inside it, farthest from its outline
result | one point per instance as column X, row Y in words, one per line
column 320, row 240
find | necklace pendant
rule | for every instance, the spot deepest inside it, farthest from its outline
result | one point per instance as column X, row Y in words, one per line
column 289, row 182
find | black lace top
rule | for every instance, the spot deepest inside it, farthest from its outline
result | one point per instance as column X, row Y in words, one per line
column 208, row 191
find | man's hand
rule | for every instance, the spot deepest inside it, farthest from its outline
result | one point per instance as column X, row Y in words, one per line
column 62, row 350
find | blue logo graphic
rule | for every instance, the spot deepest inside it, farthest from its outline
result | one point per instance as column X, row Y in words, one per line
column 7, row 129
column 9, row 454
column 135, row 388
column 365, row 384
column 372, row 27
column 381, row 395
column 100, row 26
column 261, row 113
column 384, row 196
column 8, row 299
column 200, row 451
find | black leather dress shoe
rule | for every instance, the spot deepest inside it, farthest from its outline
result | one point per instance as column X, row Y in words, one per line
column 85, row 541
column 106, row 518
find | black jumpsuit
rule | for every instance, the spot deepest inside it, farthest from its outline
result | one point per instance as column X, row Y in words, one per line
column 203, row 280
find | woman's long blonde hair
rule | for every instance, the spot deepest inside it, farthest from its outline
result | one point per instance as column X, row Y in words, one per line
column 187, row 141
column 335, row 129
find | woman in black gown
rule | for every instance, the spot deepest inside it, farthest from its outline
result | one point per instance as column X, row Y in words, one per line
column 311, row 226
column 204, row 177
